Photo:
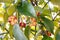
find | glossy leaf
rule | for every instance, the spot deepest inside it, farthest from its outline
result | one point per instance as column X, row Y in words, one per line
column 27, row 9
column 27, row 32
column 48, row 24
column 18, row 34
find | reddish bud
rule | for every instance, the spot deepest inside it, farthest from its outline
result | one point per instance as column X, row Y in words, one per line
column 22, row 24
column 12, row 20
column 38, row 14
column 48, row 33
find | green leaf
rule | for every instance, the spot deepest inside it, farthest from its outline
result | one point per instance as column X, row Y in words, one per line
column 55, row 9
column 11, row 31
column 10, row 10
column 27, row 32
column 1, row 16
column 18, row 34
column 5, row 20
column 27, row 9
column 56, row 23
column 47, row 38
column 5, row 17
column 48, row 24
column 46, row 12
column 57, row 36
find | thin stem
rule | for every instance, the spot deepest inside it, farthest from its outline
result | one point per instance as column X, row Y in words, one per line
column 32, row 33
column 38, row 33
column 35, row 34
column 35, row 30
column 56, row 16
column 46, row 4
column 3, row 33
column 6, row 30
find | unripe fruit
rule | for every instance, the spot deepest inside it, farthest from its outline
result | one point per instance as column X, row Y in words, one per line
column 22, row 24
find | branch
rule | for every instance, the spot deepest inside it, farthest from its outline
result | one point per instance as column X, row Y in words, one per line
column 32, row 33
column 35, row 30
column 46, row 4
column 3, row 33
column 38, row 33
column 6, row 30
column 56, row 16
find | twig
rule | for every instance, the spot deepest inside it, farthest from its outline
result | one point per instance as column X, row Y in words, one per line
column 46, row 4
column 35, row 34
column 3, row 33
column 35, row 30
column 6, row 30
column 38, row 33
column 56, row 16
column 32, row 33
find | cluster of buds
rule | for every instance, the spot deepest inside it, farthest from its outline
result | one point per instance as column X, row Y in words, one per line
column 12, row 20
column 33, row 22
column 22, row 24
column 48, row 33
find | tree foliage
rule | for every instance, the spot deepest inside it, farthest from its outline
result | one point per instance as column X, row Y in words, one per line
column 27, row 19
